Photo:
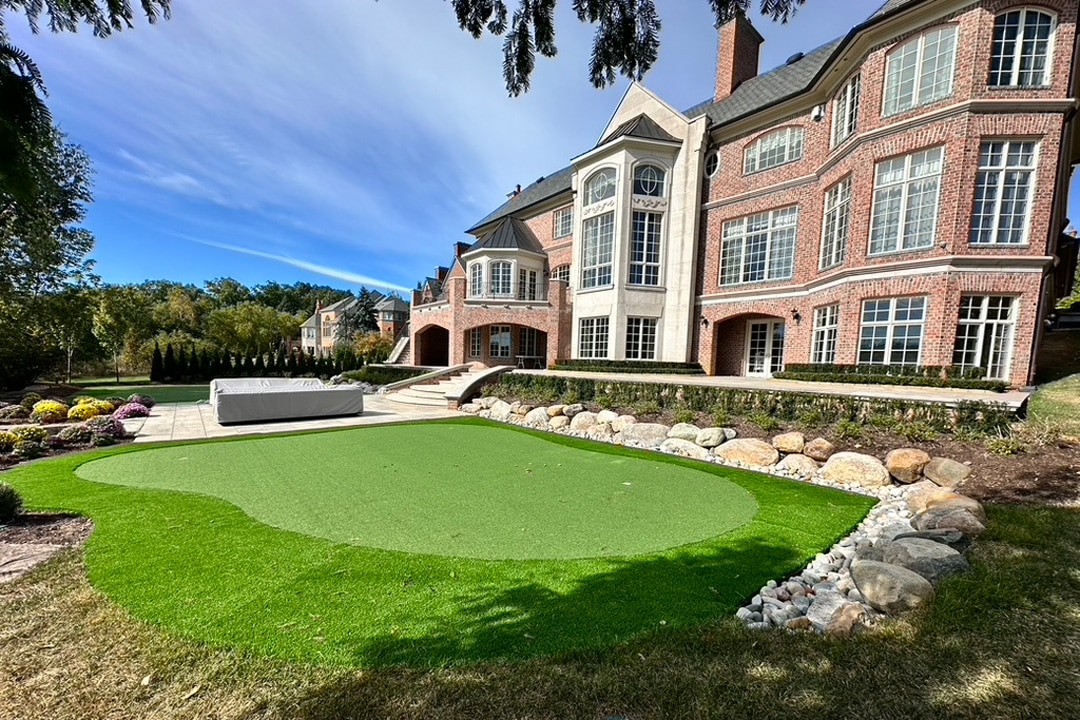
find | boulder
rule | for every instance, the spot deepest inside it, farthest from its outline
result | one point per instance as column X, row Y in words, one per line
column 559, row 421
column 523, row 409
column 554, row 410
column 572, row 410
column 798, row 465
column 537, row 417
column 906, row 464
column 946, row 536
column 748, row 451
column 622, row 422
column 606, row 416
column 950, row 516
column 855, row 469
column 582, row 420
column 684, row 431
column 487, row 402
column 800, row 623
column 710, row 437
column 648, row 435
column 470, row 408
column 819, row 449
column 890, row 588
column 500, row 410
column 847, row 620
column 945, row 472
column 932, row 560
column 789, row 442
column 686, row 448
column 927, row 495
column 825, row 604
column 600, row 431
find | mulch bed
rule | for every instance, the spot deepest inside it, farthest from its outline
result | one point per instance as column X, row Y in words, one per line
column 47, row 529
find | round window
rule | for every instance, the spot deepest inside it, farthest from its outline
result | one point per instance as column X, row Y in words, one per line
column 712, row 163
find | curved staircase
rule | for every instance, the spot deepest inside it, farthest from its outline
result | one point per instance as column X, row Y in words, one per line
column 434, row 393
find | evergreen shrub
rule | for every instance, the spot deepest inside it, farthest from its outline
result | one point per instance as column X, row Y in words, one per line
column 11, row 503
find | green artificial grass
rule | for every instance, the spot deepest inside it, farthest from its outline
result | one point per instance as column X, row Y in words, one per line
column 201, row 567
column 160, row 393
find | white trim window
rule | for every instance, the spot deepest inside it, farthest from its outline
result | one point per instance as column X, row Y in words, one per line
column 712, row 163
column 527, row 288
column 600, row 186
column 476, row 342
column 846, row 110
column 920, row 71
column 499, row 345
column 476, row 280
column 562, row 272
column 759, row 247
column 906, row 194
column 777, row 148
column 1021, row 50
column 563, row 221
column 501, row 278
column 892, row 330
column 528, row 342
column 640, row 338
column 984, row 334
column 649, row 180
column 837, row 224
column 826, row 329
column 598, row 243
column 593, row 338
column 645, row 249
column 1003, row 192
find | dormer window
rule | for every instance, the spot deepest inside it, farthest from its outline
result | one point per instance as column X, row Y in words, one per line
column 777, row 148
column 600, row 186
column 649, row 181
column 1021, row 50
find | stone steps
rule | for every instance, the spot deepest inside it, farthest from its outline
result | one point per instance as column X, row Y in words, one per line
column 431, row 394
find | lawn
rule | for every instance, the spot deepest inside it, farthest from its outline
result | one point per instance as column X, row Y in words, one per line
column 160, row 393
column 430, row 544
column 1058, row 403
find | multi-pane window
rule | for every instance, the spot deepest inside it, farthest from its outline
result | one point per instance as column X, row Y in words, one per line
column 826, row 325
column 984, row 334
column 837, row 224
column 600, row 186
column 527, row 286
column 499, row 345
column 476, row 280
column 1021, row 50
column 1003, row 192
column 776, row 148
column 906, row 192
column 527, row 343
column 593, row 337
column 561, row 273
column 500, row 278
column 597, row 244
column 476, row 342
column 920, row 71
column 640, row 338
column 564, row 221
column 759, row 247
column 645, row 249
column 649, row 180
column 891, row 331
column 846, row 111
column 712, row 163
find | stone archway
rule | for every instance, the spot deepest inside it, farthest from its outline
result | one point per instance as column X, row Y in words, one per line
column 433, row 347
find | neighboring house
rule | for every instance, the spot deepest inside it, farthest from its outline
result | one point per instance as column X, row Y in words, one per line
column 391, row 313
column 894, row 197
column 318, row 332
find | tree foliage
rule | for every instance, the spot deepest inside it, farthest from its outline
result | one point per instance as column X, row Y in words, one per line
column 625, row 42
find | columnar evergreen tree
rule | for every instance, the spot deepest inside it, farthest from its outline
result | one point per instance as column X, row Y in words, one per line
column 291, row 367
column 259, row 369
column 157, row 366
column 181, row 365
column 169, row 365
column 194, row 371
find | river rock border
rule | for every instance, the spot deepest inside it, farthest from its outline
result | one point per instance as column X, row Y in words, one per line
column 914, row 537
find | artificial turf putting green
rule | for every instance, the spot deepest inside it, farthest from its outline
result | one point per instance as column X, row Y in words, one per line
column 454, row 490
column 203, row 568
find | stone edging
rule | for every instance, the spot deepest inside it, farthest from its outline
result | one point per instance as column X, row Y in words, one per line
column 911, row 540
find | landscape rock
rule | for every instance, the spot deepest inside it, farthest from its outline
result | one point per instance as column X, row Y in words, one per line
column 825, row 604
column 500, row 410
column 487, row 402
column 600, row 431
column 582, row 420
column 946, row 536
column 748, row 451
column 523, row 409
column 797, row 464
column 945, row 472
column 950, row 516
column 559, row 421
column 537, row 416
column 934, row 561
column 789, row 442
column 890, row 588
column 684, row 431
column 801, row 623
column 571, row 410
column 847, row 620
column 855, row 469
column 906, row 464
column 622, row 422
column 469, row 408
column 648, row 435
column 606, row 416
column 554, row 410
column 819, row 449
column 710, row 437
column 686, row 448
column 927, row 495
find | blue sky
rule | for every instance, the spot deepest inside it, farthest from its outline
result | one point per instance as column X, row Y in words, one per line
column 343, row 142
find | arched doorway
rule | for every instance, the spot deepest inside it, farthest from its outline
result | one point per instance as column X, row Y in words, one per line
column 750, row 345
column 433, row 346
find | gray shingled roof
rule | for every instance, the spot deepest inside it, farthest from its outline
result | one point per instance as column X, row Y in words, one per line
column 541, row 190
column 392, row 303
column 510, row 234
column 890, row 6
column 642, row 126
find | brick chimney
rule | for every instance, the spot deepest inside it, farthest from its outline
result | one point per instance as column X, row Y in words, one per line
column 737, row 54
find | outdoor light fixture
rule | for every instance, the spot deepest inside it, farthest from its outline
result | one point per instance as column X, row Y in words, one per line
column 795, row 315
column 704, row 322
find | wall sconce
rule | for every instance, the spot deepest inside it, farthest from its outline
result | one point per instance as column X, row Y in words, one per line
column 506, row 307
column 796, row 316
column 704, row 322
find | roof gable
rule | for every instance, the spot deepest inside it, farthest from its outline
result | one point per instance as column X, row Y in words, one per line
column 510, row 234
column 641, row 126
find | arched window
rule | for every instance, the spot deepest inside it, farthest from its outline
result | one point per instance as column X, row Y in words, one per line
column 777, row 148
column 500, row 278
column 476, row 280
column 649, row 180
column 600, row 186
column 1021, row 50
column 920, row 71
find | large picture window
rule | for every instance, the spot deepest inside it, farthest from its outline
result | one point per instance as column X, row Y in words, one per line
column 640, row 338
column 906, row 193
column 920, row 71
column 1003, row 192
column 593, row 337
column 984, row 334
column 892, row 331
column 826, row 326
column 596, row 249
column 645, row 249
column 846, row 111
column 500, row 341
column 759, row 247
column 776, row 148
column 837, row 224
column 1021, row 50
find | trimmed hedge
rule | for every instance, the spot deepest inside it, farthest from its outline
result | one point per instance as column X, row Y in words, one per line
column 920, row 376
column 631, row 366
column 738, row 402
column 382, row 374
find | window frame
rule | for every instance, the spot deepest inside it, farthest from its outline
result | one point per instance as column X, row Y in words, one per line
column 476, row 342
column 560, row 217
column 501, row 287
column 908, row 188
column 651, row 246
column 495, row 345
column 794, row 144
column 845, row 118
column 836, row 224
column 1003, row 171
column 561, row 272
column 661, row 181
column 825, row 334
column 771, row 250
column 598, row 271
column 590, row 342
column 890, row 104
column 985, row 328
column 1017, row 55
column 476, row 279
column 891, row 324
column 641, row 335
column 611, row 185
